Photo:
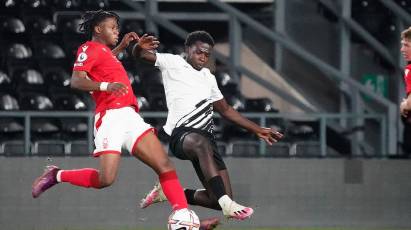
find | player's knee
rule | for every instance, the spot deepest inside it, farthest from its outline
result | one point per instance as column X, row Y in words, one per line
column 106, row 180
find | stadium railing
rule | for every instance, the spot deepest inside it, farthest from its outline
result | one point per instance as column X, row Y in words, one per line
column 322, row 118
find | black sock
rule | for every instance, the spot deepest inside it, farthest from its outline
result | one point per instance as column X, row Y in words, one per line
column 189, row 195
column 217, row 185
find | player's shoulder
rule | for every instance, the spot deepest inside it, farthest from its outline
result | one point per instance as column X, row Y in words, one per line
column 91, row 47
column 207, row 71
column 170, row 56
column 407, row 69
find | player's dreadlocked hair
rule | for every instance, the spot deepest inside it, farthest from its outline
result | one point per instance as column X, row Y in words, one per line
column 93, row 18
column 199, row 35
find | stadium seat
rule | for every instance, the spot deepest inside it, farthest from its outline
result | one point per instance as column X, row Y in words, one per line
column 8, row 102
column 97, row 4
column 71, row 102
column 29, row 80
column 259, row 105
column 57, row 80
column 49, row 148
column 12, row 148
column 67, row 4
column 244, row 148
column 9, row 4
column 48, row 50
column 12, row 25
column 10, row 125
column 41, row 25
column 227, row 84
column 301, row 131
column 236, row 101
column 19, row 51
column 35, row 101
column 5, row 83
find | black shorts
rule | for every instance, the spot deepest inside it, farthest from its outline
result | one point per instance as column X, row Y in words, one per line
column 176, row 146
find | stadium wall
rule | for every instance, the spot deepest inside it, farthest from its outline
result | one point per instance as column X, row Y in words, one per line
column 284, row 192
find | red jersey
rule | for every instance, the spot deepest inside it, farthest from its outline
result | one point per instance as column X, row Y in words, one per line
column 102, row 66
column 407, row 78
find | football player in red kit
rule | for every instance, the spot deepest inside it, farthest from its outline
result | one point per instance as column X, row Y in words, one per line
column 117, row 122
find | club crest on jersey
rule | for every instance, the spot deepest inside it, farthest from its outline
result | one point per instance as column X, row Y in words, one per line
column 82, row 57
column 406, row 72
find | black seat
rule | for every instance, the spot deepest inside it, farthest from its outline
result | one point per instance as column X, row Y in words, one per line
column 12, row 25
column 97, row 4
column 35, row 101
column 5, row 83
column 71, row 102
column 19, row 51
column 8, row 102
column 29, row 80
column 49, row 50
column 67, row 4
column 259, row 105
column 41, row 26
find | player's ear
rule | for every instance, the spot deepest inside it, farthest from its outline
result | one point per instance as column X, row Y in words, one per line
column 98, row 29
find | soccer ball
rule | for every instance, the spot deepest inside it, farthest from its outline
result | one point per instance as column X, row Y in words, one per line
column 183, row 219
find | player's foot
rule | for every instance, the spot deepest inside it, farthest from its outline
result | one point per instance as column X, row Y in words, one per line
column 236, row 211
column 209, row 223
column 156, row 195
column 45, row 181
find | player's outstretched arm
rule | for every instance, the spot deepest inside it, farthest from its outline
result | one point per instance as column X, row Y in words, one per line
column 80, row 81
column 144, row 49
column 127, row 38
column 267, row 134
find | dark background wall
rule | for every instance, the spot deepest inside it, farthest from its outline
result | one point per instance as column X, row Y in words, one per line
column 284, row 192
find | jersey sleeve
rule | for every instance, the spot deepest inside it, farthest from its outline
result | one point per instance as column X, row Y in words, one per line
column 86, row 58
column 164, row 61
column 216, row 94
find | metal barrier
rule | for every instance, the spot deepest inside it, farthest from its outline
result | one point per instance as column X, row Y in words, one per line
column 323, row 118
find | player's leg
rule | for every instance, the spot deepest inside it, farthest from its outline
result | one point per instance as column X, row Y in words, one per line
column 200, row 150
column 150, row 151
column 85, row 177
column 108, row 146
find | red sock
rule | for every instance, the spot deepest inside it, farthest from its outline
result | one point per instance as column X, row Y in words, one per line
column 172, row 190
column 87, row 177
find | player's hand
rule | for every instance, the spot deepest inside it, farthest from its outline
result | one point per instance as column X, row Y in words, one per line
column 269, row 135
column 119, row 89
column 127, row 38
column 147, row 42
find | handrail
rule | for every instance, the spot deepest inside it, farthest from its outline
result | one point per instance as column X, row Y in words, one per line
column 322, row 117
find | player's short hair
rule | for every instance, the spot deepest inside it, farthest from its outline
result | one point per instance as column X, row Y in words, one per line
column 93, row 18
column 199, row 35
column 406, row 34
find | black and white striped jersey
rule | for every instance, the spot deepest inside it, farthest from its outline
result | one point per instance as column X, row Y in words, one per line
column 190, row 93
column 200, row 118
